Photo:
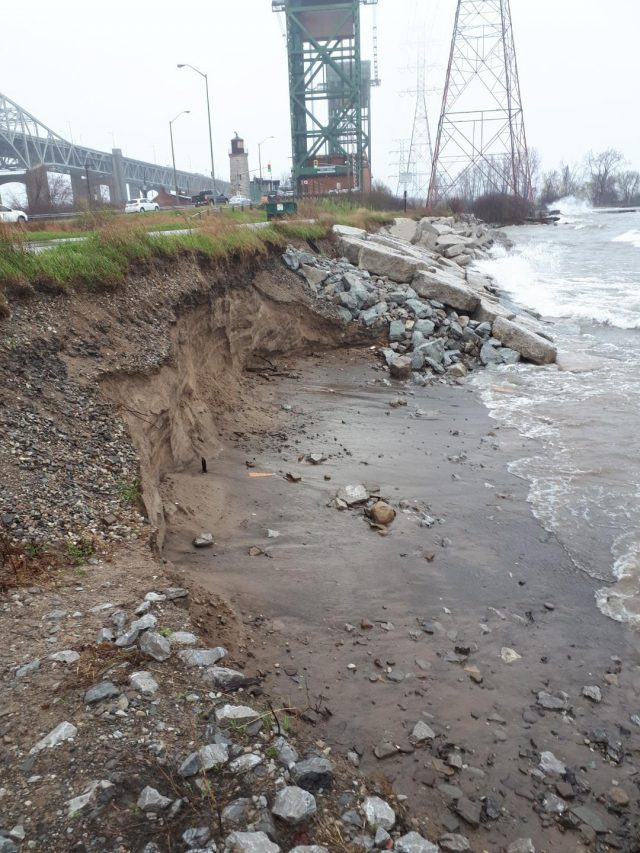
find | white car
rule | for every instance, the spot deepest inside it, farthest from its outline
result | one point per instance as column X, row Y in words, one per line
column 8, row 214
column 240, row 201
column 140, row 205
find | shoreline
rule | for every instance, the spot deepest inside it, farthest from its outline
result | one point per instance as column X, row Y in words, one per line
column 363, row 636
column 499, row 569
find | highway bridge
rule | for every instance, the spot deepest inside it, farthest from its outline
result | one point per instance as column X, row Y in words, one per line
column 29, row 149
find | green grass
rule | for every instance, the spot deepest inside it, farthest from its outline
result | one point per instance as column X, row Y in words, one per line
column 108, row 254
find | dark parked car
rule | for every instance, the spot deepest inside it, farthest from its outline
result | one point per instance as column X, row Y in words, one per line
column 209, row 197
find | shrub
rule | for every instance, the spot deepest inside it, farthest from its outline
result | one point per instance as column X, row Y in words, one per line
column 501, row 209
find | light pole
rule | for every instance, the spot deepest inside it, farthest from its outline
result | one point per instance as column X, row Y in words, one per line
column 173, row 154
column 260, row 157
column 206, row 84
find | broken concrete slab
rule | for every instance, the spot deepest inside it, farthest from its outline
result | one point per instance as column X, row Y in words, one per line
column 530, row 345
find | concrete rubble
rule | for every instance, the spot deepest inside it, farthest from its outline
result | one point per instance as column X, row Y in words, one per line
column 415, row 283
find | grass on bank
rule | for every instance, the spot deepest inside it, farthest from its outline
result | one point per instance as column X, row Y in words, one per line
column 105, row 257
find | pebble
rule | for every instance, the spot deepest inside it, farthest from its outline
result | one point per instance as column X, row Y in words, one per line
column 592, row 692
column 378, row 813
column 412, row 842
column 63, row 731
column 151, row 800
column 144, row 682
column 551, row 765
column 454, row 843
column 155, row 646
column 294, row 805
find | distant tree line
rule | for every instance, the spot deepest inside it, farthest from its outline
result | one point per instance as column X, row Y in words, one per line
column 601, row 179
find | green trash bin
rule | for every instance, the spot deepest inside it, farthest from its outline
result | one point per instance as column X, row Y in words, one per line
column 277, row 209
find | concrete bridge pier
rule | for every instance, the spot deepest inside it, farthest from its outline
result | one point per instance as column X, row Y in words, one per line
column 37, row 185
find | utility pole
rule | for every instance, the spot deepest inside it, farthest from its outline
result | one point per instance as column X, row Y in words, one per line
column 173, row 155
column 206, row 85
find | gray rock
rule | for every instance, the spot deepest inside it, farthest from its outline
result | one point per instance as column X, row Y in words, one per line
column 421, row 732
column 7, row 846
column 349, row 231
column 97, row 792
column 196, row 836
column 591, row 818
column 425, row 327
column 529, row 344
column 553, row 702
column 592, row 692
column 105, row 635
column 287, row 755
column 434, row 350
column 249, row 842
column 28, row 668
column 400, row 367
column 417, row 360
column 469, row 811
column 152, row 801
column 155, row 645
column 414, row 843
column 206, row 758
column 345, row 315
column 183, row 638
column 405, row 229
column 104, row 690
column 174, row 592
column 552, row 804
column 314, row 275
column 240, row 714
column 446, row 289
column 454, row 843
column 396, row 330
column 246, row 762
column 372, row 315
column 136, row 628
column 224, row 678
column 63, row 731
column 521, row 845
column 143, row 682
column 383, row 261
column 551, row 765
column 353, row 494
column 422, row 310
column 66, row 656
column 313, row 774
column 203, row 540
column 202, row 657
column 294, row 805
column 235, row 814
column 378, row 813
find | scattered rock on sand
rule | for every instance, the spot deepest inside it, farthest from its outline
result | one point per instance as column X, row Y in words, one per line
column 294, row 805
column 382, row 513
column 592, row 692
column 203, row 540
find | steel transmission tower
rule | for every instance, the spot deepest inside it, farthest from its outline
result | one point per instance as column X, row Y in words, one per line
column 330, row 93
column 481, row 144
column 420, row 158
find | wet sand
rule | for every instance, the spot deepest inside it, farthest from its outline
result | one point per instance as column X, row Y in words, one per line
column 493, row 579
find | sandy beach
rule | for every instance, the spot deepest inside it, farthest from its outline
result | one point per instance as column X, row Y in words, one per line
column 382, row 632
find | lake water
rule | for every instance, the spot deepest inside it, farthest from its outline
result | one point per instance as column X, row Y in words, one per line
column 583, row 277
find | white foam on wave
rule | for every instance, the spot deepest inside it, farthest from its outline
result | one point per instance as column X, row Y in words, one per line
column 571, row 205
column 531, row 276
column 632, row 237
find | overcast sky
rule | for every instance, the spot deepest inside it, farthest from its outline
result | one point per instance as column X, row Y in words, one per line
column 105, row 74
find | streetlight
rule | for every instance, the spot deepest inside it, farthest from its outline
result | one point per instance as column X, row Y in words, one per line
column 260, row 157
column 206, row 83
column 173, row 155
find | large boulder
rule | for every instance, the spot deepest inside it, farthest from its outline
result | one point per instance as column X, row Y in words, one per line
column 488, row 311
column 530, row 345
column 384, row 261
column 349, row 231
column 349, row 248
column 445, row 289
column 404, row 229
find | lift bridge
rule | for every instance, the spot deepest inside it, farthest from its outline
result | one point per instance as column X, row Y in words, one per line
column 330, row 94
column 29, row 149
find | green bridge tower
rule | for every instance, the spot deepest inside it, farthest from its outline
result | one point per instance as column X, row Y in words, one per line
column 329, row 90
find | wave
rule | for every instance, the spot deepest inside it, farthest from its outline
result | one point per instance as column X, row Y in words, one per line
column 532, row 276
column 571, row 205
column 632, row 237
